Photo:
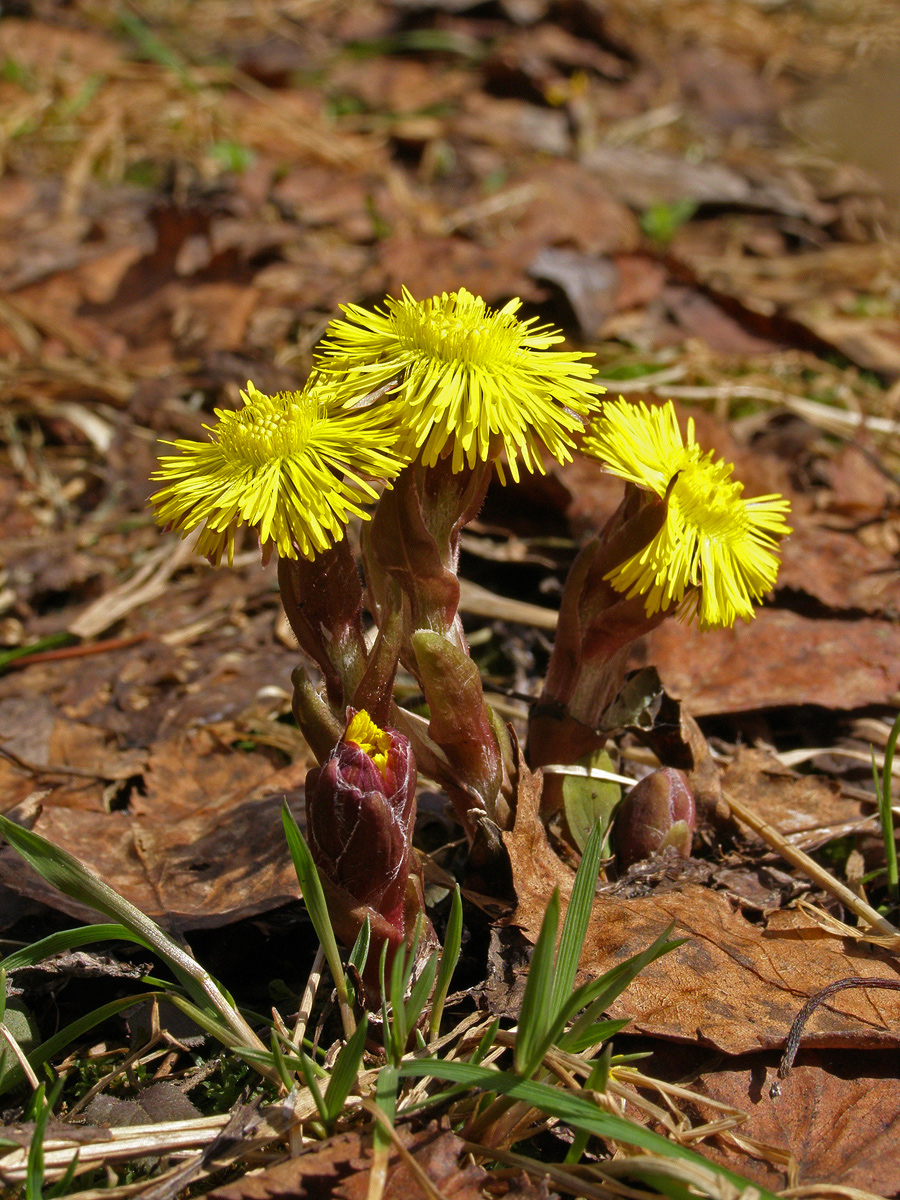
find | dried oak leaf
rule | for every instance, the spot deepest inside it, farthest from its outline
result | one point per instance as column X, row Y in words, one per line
column 339, row 1168
column 838, row 1116
column 732, row 984
column 202, row 848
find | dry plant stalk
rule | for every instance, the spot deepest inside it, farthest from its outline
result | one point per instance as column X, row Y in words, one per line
column 810, row 868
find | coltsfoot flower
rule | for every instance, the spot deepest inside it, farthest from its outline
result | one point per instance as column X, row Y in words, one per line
column 295, row 466
column 469, row 376
column 717, row 553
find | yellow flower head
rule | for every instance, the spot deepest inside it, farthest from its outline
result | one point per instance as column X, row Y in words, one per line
column 717, row 553
column 291, row 465
column 363, row 732
column 468, row 376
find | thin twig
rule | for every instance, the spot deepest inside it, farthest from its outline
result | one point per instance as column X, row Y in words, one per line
column 64, row 652
column 792, row 1045
column 810, row 867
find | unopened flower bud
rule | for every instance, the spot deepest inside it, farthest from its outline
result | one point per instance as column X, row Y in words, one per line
column 659, row 811
column 360, row 809
column 360, row 812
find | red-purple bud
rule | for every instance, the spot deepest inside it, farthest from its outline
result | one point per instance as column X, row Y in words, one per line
column 360, row 809
column 659, row 811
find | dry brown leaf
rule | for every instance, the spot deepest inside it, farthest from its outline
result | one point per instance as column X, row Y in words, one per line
column 431, row 265
column 838, row 1115
column 643, row 178
column 780, row 658
column 339, row 1168
column 203, row 847
column 791, row 803
column 509, row 122
column 839, row 570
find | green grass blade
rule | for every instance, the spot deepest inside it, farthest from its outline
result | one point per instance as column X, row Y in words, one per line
column 47, row 643
column 595, row 1082
column 595, row 1035
column 397, row 989
column 385, row 1008
column 358, row 956
column 314, row 899
column 34, row 1177
column 575, row 1109
column 66, row 939
column 72, row 877
column 386, row 1086
column 63, row 1186
column 487, row 1040
column 412, row 953
column 534, row 1015
column 152, row 48
column 420, row 992
column 309, row 1078
column 360, row 951
column 345, row 1073
column 278, row 1062
column 449, row 960
column 70, row 1033
column 578, row 914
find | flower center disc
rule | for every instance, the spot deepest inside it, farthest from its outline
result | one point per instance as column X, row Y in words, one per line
column 456, row 329
column 265, row 432
column 705, row 496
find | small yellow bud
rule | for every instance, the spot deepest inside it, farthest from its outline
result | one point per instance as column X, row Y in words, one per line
column 363, row 732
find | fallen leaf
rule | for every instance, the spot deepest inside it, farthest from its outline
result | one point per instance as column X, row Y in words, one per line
column 790, row 802
column 779, row 658
column 431, row 265
column 340, row 1168
column 590, row 284
column 838, row 1116
column 598, row 286
column 697, row 315
column 727, row 89
column 574, row 208
column 507, row 122
column 644, row 178
column 872, row 343
column 203, row 847
column 838, row 569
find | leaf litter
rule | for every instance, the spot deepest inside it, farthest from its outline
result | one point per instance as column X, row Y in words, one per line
column 174, row 223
